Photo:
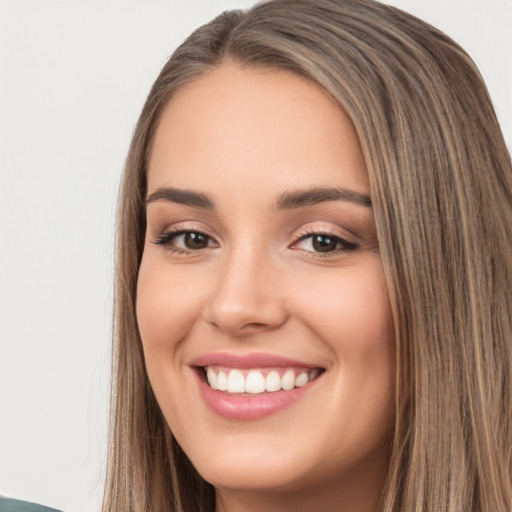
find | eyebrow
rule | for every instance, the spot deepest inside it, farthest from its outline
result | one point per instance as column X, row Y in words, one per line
column 287, row 200
column 180, row 196
column 300, row 198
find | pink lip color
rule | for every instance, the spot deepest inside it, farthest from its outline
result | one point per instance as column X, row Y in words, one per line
column 243, row 407
column 247, row 361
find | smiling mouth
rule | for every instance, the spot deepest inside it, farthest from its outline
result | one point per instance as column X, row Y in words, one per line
column 256, row 381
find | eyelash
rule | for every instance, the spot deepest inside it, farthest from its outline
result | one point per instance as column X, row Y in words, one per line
column 165, row 239
column 343, row 245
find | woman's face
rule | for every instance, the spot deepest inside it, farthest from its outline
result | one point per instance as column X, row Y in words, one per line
column 261, row 269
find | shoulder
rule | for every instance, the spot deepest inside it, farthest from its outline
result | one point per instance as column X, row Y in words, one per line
column 11, row 505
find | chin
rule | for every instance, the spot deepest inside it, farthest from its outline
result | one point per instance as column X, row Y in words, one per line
column 255, row 476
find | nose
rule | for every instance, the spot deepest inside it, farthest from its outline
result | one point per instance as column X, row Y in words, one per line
column 246, row 300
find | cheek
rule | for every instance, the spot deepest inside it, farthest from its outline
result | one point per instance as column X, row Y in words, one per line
column 349, row 310
column 167, row 306
column 167, row 310
column 350, row 314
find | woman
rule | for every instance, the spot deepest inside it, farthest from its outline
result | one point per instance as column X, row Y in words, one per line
column 313, row 272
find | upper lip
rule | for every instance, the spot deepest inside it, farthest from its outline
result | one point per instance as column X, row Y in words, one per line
column 255, row 360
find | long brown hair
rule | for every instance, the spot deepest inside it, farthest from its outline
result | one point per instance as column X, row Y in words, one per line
column 441, row 185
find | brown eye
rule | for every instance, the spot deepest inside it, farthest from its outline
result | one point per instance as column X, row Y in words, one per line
column 194, row 240
column 322, row 243
column 186, row 241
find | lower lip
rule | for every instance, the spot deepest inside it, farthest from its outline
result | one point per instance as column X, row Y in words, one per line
column 243, row 407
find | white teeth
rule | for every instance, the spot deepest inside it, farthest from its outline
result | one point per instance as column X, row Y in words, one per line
column 236, row 382
column 212, row 378
column 255, row 382
column 288, row 380
column 222, row 381
column 273, row 381
column 301, row 380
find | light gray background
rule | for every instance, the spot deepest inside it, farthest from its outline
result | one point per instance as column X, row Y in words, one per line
column 73, row 77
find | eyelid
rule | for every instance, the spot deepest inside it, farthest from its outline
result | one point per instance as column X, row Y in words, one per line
column 168, row 234
column 171, row 234
column 310, row 231
column 183, row 227
column 344, row 244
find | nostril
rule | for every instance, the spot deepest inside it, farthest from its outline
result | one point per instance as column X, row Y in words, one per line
column 240, row 327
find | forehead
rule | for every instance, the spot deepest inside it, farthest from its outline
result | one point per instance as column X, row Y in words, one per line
column 256, row 128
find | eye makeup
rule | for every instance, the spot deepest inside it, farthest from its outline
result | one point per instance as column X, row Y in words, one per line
column 320, row 242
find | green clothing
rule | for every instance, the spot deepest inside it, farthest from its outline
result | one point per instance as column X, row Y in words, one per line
column 10, row 505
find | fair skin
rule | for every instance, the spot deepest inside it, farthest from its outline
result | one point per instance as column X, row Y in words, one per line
column 257, row 274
